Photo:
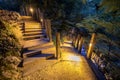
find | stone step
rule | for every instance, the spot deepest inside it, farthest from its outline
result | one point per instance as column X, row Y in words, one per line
column 30, row 53
column 37, row 57
column 32, row 31
column 32, row 34
column 33, row 37
column 32, row 22
column 35, row 43
column 37, row 28
column 49, row 50
column 43, row 45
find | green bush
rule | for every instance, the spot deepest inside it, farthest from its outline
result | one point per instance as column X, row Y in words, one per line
column 10, row 47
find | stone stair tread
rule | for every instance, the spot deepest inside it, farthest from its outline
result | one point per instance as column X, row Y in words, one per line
column 34, row 28
column 34, row 32
column 31, row 34
column 33, row 37
column 31, row 53
column 32, row 59
column 30, row 31
column 42, row 50
column 42, row 46
column 32, row 22
column 35, row 43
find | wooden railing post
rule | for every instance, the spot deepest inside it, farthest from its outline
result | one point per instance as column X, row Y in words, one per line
column 91, row 46
column 74, row 40
column 36, row 14
column 58, row 54
column 39, row 16
column 49, row 30
column 81, row 40
column 23, row 27
column 41, row 19
column 46, row 28
column 77, row 40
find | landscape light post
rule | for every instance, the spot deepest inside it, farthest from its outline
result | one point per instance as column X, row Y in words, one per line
column 31, row 10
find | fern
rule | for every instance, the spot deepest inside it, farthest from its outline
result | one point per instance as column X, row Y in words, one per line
column 111, row 5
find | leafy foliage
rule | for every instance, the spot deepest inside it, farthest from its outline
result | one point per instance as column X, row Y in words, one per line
column 13, row 5
column 9, row 51
column 107, row 27
column 111, row 5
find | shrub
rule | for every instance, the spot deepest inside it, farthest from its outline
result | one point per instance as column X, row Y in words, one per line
column 10, row 47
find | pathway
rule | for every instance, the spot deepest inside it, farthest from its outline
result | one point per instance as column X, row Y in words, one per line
column 36, row 46
column 37, row 66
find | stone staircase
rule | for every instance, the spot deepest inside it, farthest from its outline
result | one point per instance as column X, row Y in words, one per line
column 36, row 46
column 37, row 32
column 33, row 31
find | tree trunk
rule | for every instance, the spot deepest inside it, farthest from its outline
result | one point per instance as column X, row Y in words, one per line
column 91, row 45
column 58, row 55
